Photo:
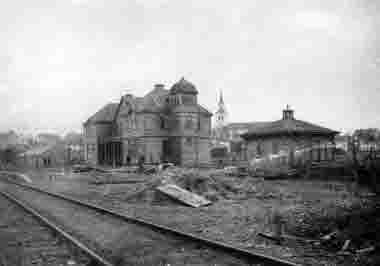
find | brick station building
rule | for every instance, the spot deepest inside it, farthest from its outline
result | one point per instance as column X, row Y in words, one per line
column 163, row 125
column 289, row 136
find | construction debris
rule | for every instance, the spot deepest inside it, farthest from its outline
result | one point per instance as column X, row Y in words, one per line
column 150, row 171
column 183, row 195
column 365, row 250
column 329, row 236
column 345, row 245
column 271, row 236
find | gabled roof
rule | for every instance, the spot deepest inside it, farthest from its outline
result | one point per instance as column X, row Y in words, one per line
column 104, row 115
column 286, row 127
column 152, row 102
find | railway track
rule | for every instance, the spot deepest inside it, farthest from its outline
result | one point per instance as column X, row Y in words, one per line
column 218, row 251
column 28, row 238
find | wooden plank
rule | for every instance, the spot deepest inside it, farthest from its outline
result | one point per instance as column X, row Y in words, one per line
column 183, row 195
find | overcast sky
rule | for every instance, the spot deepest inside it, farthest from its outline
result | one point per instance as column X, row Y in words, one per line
column 60, row 61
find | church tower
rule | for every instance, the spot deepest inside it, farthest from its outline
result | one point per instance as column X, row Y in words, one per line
column 221, row 114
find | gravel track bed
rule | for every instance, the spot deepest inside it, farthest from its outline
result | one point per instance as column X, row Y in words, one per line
column 236, row 222
column 231, row 221
column 126, row 244
column 25, row 241
column 205, row 221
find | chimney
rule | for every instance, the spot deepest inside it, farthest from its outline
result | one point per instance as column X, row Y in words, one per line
column 288, row 113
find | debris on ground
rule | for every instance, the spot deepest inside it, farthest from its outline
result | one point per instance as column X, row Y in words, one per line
column 365, row 250
column 164, row 166
column 212, row 185
column 124, row 169
column 345, row 245
column 150, row 171
column 112, row 178
column 329, row 236
column 325, row 220
column 183, row 195
column 82, row 168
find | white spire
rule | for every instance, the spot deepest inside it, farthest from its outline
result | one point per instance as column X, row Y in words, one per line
column 221, row 114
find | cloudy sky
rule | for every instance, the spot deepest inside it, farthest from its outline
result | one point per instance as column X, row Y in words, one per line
column 62, row 60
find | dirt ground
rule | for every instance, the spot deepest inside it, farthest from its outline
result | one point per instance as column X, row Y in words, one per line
column 243, row 207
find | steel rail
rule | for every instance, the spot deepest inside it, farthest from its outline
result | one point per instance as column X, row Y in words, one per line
column 92, row 254
column 250, row 255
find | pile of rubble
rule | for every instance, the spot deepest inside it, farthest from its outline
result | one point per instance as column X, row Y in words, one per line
column 213, row 185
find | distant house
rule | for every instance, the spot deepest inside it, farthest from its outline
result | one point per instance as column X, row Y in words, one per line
column 74, row 143
column 9, row 138
column 342, row 142
column 219, row 155
column 48, row 139
column 290, row 137
column 43, row 156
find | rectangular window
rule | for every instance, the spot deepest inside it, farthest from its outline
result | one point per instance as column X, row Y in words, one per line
column 259, row 149
column 189, row 141
column 275, row 147
column 189, row 123
column 187, row 100
column 162, row 123
column 91, row 148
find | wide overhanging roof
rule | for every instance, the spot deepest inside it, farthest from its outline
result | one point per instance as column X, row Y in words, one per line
column 288, row 127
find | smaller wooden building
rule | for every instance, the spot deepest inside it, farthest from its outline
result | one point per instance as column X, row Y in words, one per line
column 290, row 140
column 43, row 156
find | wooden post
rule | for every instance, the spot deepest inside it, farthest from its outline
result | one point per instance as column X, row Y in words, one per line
column 105, row 153
column 108, row 153
column 113, row 154
column 333, row 151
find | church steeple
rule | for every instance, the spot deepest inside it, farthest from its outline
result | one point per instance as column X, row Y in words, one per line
column 221, row 114
column 221, row 101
